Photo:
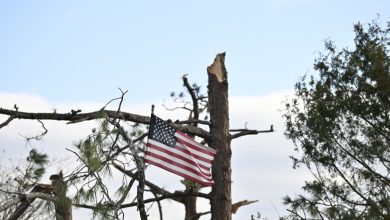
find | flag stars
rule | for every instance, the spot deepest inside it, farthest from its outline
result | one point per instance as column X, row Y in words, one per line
column 163, row 132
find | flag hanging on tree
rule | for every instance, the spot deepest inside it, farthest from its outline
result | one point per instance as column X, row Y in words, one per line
column 176, row 152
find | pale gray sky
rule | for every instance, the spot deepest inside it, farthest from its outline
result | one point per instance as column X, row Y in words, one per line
column 75, row 54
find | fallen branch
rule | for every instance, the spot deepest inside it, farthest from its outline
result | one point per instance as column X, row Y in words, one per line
column 24, row 197
column 25, row 203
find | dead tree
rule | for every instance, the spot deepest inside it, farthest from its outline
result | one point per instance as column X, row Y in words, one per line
column 25, row 202
column 63, row 205
column 55, row 193
column 221, row 200
column 218, row 137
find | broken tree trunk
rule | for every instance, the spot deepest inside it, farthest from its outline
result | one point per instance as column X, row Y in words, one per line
column 63, row 205
column 25, row 204
column 219, row 131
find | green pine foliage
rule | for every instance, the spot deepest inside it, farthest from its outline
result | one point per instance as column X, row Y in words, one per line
column 20, row 180
column 30, row 173
column 107, row 143
column 339, row 121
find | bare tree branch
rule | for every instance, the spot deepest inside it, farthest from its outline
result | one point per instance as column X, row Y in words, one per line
column 192, row 121
column 195, row 106
column 37, row 137
column 243, row 132
column 203, row 213
column 75, row 118
column 119, row 98
column 159, row 206
column 10, row 118
column 239, row 204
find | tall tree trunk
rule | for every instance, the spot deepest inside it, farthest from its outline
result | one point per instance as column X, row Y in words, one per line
column 64, row 209
column 219, row 130
column 190, row 206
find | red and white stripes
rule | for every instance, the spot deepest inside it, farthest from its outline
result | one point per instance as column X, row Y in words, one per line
column 187, row 158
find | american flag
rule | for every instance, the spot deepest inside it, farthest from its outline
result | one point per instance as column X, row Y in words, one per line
column 178, row 153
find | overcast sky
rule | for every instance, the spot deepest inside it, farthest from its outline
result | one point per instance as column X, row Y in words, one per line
column 76, row 54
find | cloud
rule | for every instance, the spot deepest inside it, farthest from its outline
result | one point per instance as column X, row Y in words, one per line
column 261, row 167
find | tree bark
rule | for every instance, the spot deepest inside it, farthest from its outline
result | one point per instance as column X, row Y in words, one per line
column 63, row 205
column 219, row 131
column 190, row 207
column 64, row 210
column 23, row 206
column 81, row 117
